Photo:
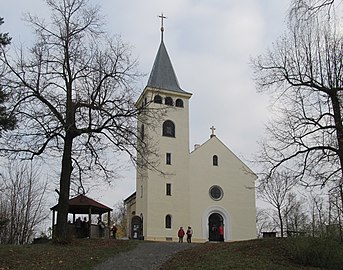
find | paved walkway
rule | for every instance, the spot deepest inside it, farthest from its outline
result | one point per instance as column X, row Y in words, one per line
column 147, row 255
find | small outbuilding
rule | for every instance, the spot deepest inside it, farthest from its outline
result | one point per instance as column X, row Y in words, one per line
column 83, row 205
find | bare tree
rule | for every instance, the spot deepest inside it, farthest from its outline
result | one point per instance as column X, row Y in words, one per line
column 21, row 202
column 295, row 215
column 312, row 7
column 74, row 97
column 263, row 221
column 304, row 75
column 275, row 191
column 318, row 214
column 334, row 219
column 119, row 217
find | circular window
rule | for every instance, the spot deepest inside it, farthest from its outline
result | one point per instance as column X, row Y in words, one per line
column 216, row 193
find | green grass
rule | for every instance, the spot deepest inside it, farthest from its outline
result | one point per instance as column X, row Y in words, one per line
column 322, row 252
column 266, row 254
column 254, row 254
column 80, row 254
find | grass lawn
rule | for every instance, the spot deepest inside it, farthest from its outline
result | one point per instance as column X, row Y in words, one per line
column 266, row 254
column 81, row 254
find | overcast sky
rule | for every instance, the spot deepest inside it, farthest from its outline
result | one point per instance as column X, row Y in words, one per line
column 210, row 44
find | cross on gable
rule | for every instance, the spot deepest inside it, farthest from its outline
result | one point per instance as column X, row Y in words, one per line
column 213, row 129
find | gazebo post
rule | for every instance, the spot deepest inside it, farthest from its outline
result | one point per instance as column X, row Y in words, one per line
column 108, row 222
column 108, row 218
column 90, row 221
column 53, row 223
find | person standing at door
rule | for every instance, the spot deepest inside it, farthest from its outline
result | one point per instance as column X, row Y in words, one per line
column 189, row 234
column 114, row 231
column 181, row 234
column 221, row 233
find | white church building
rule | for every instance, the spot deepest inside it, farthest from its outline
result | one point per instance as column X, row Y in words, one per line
column 203, row 188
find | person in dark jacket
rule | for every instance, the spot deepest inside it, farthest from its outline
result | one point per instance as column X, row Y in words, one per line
column 114, row 231
column 189, row 234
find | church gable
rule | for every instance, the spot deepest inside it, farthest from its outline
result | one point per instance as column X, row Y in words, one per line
column 214, row 154
column 221, row 184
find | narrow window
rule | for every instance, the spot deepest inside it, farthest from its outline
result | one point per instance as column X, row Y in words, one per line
column 168, row 101
column 145, row 101
column 179, row 103
column 168, row 189
column 215, row 160
column 168, row 221
column 168, row 129
column 141, row 191
column 158, row 99
column 168, row 158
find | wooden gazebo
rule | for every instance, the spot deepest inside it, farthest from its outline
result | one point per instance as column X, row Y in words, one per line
column 83, row 205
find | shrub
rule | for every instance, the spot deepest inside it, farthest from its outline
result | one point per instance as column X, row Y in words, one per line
column 319, row 252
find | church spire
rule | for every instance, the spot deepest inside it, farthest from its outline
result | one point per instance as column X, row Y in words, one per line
column 162, row 75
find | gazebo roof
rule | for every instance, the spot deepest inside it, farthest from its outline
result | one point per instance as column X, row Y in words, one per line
column 81, row 205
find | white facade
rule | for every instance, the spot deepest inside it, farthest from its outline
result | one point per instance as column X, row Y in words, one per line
column 151, row 198
column 204, row 188
column 237, row 183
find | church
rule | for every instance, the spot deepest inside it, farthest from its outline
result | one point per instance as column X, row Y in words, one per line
column 205, row 188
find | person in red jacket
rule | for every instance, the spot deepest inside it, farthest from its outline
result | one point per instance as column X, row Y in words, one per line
column 221, row 233
column 181, row 234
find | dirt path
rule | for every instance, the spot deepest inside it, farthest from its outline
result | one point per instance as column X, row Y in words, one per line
column 147, row 255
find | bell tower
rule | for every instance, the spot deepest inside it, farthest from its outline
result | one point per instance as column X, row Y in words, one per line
column 162, row 193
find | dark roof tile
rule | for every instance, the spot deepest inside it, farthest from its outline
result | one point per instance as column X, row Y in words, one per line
column 162, row 75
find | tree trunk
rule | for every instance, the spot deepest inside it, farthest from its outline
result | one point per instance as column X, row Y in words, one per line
column 63, row 206
column 280, row 219
column 339, row 133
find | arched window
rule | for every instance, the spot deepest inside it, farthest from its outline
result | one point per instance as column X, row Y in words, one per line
column 158, row 99
column 168, row 129
column 179, row 103
column 215, row 160
column 168, row 101
column 168, row 222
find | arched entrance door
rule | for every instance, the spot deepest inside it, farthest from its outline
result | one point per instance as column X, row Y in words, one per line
column 136, row 228
column 215, row 221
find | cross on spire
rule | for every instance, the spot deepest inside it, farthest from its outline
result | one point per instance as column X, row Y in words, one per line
column 213, row 129
column 162, row 28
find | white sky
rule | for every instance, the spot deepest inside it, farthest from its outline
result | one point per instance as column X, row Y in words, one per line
column 210, row 44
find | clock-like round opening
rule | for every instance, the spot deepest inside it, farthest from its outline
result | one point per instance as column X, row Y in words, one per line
column 216, row 193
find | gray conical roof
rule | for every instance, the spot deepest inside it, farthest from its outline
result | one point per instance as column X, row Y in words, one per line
column 162, row 75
